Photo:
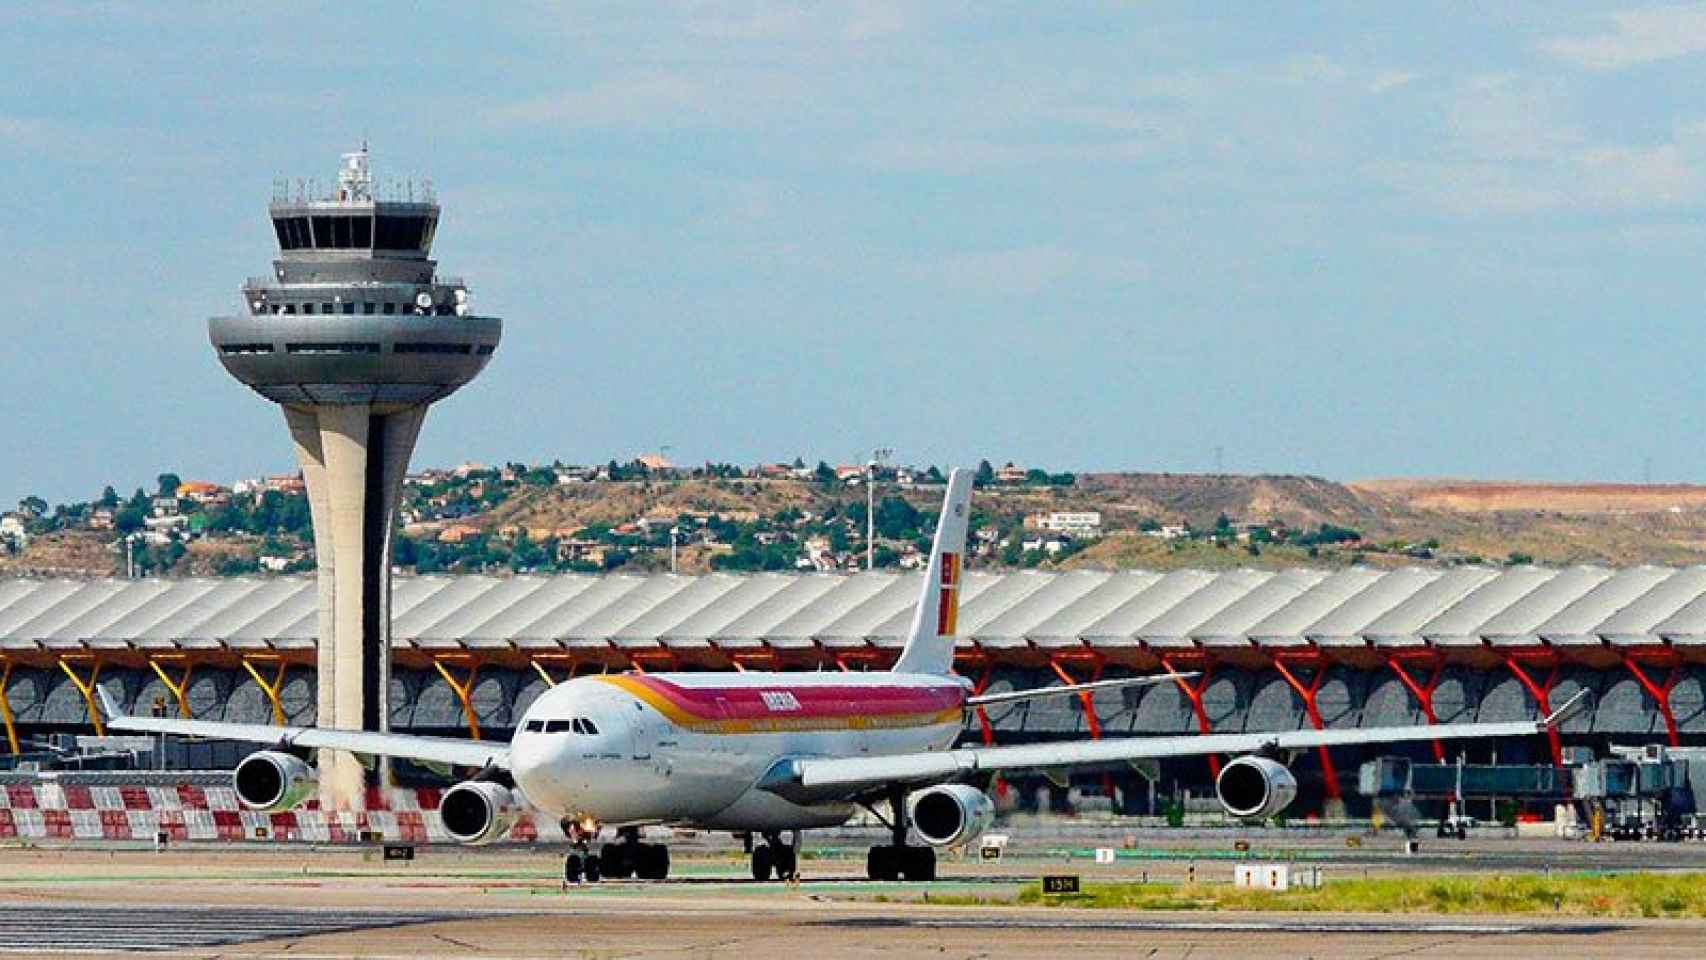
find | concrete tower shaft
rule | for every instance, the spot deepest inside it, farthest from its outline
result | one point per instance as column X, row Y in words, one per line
column 354, row 335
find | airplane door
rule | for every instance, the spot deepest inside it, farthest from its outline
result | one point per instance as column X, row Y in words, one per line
column 641, row 733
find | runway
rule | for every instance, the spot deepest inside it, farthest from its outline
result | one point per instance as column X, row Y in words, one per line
column 509, row 905
column 38, row 930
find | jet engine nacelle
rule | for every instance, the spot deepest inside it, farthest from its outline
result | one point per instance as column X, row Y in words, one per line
column 270, row 781
column 952, row 815
column 1255, row 788
column 478, row 811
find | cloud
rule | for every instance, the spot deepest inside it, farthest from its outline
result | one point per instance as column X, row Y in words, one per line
column 1391, row 80
column 973, row 155
column 1636, row 37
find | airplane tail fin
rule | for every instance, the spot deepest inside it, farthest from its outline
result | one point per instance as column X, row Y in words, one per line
column 930, row 643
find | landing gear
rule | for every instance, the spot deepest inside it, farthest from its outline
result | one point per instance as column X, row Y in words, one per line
column 772, row 856
column 898, row 861
column 917, row 864
column 628, row 857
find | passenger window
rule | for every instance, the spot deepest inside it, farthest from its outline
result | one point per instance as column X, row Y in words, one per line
column 535, row 726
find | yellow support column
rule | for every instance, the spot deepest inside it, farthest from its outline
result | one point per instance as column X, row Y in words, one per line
column 464, row 691
column 270, row 689
column 180, row 690
column 6, row 709
column 88, row 692
column 544, row 674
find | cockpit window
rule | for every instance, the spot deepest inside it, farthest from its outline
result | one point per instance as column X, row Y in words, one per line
column 556, row 726
column 591, row 729
column 535, row 726
column 580, row 726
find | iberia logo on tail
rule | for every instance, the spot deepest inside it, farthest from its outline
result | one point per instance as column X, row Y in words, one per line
column 948, row 604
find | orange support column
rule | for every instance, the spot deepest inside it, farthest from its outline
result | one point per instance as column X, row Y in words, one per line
column 1085, row 697
column 6, row 709
column 270, row 689
column 1542, row 694
column 1193, row 692
column 88, row 691
column 1424, row 693
column 464, row 691
column 1659, row 693
column 1308, row 693
column 180, row 690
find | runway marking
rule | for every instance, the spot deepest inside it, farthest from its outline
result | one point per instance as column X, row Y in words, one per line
column 39, row 929
column 1265, row 925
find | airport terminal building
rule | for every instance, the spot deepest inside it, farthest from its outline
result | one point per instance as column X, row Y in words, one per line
column 1268, row 651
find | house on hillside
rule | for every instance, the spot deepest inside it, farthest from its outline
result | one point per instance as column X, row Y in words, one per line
column 1010, row 472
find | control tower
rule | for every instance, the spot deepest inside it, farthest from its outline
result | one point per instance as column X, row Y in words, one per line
column 354, row 334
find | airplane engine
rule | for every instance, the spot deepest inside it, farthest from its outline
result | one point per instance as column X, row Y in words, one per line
column 1255, row 788
column 270, row 781
column 478, row 811
column 951, row 815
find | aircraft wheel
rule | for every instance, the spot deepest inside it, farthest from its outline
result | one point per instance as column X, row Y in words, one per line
column 763, row 861
column 787, row 863
column 1462, row 832
column 918, row 864
column 618, row 861
column 594, row 868
column 652, row 862
column 883, row 863
column 573, row 866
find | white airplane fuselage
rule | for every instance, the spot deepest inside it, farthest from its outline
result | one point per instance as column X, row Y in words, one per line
column 688, row 749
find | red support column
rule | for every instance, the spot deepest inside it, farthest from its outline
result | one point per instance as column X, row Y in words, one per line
column 1308, row 694
column 1089, row 702
column 983, row 714
column 1660, row 694
column 1542, row 694
column 1193, row 692
column 1424, row 693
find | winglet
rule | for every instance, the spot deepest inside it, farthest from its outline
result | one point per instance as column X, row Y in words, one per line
column 930, row 644
column 1573, row 706
column 109, row 706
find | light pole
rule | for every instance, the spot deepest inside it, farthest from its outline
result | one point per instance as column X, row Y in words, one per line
column 674, row 536
column 877, row 457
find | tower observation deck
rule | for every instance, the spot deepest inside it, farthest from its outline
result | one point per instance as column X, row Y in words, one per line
column 354, row 334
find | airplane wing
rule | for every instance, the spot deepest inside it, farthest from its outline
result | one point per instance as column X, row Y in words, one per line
column 441, row 750
column 1037, row 693
column 814, row 779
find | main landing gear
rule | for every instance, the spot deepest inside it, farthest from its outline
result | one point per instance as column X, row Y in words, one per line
column 625, row 858
column 899, row 861
column 772, row 856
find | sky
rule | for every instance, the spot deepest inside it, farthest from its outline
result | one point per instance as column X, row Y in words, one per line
column 1353, row 240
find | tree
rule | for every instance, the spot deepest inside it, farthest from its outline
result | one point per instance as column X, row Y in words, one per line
column 128, row 520
column 169, row 484
column 934, row 475
column 985, row 474
column 799, row 463
column 825, row 473
column 33, row 507
column 109, row 497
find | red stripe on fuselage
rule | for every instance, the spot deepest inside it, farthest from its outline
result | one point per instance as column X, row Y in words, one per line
column 813, row 701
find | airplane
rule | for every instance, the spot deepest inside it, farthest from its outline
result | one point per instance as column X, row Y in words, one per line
column 761, row 755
